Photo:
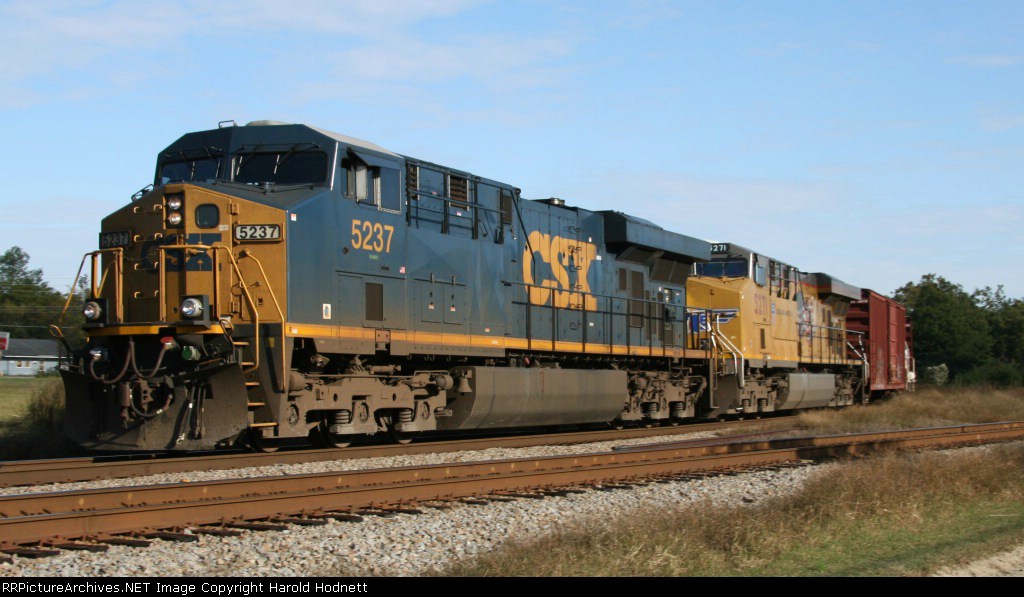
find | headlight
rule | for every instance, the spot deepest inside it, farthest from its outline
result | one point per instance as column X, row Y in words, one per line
column 191, row 308
column 174, row 218
column 92, row 311
column 174, row 203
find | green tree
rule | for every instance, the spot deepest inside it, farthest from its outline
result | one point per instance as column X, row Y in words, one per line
column 949, row 326
column 1006, row 323
column 28, row 305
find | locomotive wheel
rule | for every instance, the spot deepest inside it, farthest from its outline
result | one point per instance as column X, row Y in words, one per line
column 399, row 437
column 323, row 438
column 257, row 442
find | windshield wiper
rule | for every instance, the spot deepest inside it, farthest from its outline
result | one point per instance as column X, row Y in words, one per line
column 284, row 157
column 204, row 151
column 265, row 187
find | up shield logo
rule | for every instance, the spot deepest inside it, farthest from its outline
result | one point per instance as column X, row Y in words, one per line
column 699, row 320
column 560, row 266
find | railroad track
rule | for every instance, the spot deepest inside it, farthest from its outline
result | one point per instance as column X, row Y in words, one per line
column 36, row 524
column 64, row 470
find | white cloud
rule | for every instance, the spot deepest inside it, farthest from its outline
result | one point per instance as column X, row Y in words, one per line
column 40, row 40
column 365, row 19
column 1002, row 122
column 461, row 80
column 496, row 60
column 783, row 48
column 738, row 195
column 990, row 61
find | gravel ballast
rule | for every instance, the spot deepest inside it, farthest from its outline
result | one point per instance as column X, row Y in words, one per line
column 360, row 464
column 400, row 545
column 405, row 544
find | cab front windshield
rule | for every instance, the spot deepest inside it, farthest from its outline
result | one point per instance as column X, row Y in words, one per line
column 300, row 167
column 284, row 167
column 204, row 169
column 732, row 268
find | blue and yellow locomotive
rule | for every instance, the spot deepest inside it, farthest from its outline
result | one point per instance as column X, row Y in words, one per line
column 281, row 281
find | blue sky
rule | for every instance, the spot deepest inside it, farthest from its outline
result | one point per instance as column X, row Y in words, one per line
column 876, row 141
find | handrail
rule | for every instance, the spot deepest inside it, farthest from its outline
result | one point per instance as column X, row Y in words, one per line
column 691, row 340
column 447, row 202
column 241, row 281
column 451, row 200
column 118, row 266
column 607, row 296
column 838, row 339
column 94, row 291
column 860, row 341
column 866, row 366
column 277, row 305
column 739, row 363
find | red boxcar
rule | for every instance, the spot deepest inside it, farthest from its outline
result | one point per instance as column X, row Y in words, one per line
column 884, row 340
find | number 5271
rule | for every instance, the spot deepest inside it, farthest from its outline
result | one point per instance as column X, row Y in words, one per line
column 372, row 236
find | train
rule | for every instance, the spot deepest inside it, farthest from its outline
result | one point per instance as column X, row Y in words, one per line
column 280, row 283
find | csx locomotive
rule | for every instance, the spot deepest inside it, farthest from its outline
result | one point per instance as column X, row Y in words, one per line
column 281, row 281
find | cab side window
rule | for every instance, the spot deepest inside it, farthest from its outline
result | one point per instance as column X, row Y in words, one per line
column 372, row 180
column 759, row 274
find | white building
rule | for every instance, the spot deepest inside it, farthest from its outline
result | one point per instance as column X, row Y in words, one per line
column 28, row 357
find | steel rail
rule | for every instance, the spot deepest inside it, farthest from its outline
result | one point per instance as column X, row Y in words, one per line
column 62, row 470
column 26, row 504
column 96, row 515
column 820, row 440
column 104, row 498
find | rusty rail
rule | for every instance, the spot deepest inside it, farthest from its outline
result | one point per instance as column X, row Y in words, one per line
column 62, row 470
column 43, row 518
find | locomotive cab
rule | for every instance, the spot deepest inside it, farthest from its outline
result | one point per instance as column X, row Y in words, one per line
column 186, row 343
column 779, row 333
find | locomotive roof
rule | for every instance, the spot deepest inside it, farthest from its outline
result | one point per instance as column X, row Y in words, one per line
column 828, row 284
column 265, row 132
column 230, row 139
column 622, row 229
column 345, row 139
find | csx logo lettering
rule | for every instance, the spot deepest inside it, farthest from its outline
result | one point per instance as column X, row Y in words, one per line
column 560, row 266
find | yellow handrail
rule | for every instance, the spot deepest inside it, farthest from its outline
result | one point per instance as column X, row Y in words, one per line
column 118, row 266
column 248, row 296
column 277, row 305
column 241, row 283
column 95, row 291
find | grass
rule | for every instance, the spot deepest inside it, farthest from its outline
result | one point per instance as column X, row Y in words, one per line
column 16, row 392
column 929, row 407
column 898, row 514
column 32, row 420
